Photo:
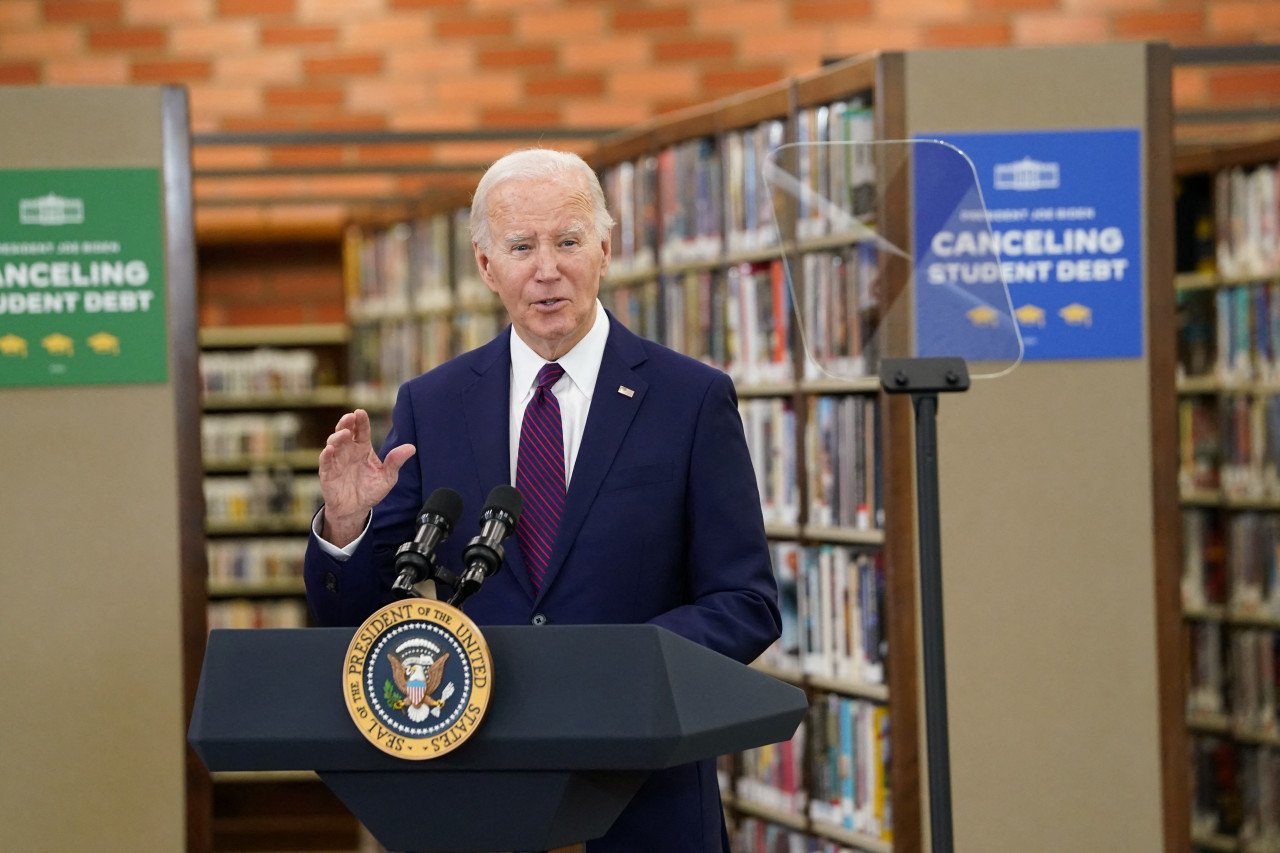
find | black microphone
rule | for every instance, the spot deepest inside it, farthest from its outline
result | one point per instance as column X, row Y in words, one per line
column 415, row 560
column 483, row 555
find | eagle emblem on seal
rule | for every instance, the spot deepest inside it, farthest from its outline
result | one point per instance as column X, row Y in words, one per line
column 417, row 672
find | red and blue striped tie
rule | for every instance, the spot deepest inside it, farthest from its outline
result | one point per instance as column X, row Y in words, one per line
column 540, row 474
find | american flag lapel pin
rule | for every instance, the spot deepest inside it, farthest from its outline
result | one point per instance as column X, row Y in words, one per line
column 625, row 391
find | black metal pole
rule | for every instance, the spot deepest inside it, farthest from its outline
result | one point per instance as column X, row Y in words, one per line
column 923, row 379
column 937, row 738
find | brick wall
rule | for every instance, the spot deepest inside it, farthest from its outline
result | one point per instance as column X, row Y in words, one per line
column 430, row 64
column 271, row 283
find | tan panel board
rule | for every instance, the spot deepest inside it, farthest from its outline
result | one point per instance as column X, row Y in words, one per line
column 90, row 614
column 90, row 620
column 1048, row 598
column 1028, row 88
column 53, row 127
column 1047, row 524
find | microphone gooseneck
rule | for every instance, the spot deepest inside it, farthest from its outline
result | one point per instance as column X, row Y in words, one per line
column 415, row 559
column 484, row 554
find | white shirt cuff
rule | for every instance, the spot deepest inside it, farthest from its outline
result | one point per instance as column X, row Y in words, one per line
column 339, row 554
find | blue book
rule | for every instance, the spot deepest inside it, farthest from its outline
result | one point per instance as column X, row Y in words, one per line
column 848, row 796
column 1222, row 306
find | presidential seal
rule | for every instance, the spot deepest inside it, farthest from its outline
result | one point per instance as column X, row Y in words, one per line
column 417, row 678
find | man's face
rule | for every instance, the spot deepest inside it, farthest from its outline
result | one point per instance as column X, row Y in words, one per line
column 544, row 261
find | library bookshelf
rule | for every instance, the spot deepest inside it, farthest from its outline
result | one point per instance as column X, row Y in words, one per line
column 1228, row 287
column 270, row 393
column 701, row 265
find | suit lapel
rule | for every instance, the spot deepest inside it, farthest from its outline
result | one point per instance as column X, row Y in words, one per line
column 608, row 420
column 486, row 406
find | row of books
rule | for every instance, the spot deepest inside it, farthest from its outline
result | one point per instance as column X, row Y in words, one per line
column 631, row 193
column 832, row 603
column 1207, row 667
column 1255, row 680
column 770, row 425
column 1231, row 333
column 843, row 462
column 395, row 271
column 840, row 311
column 229, row 438
column 385, row 353
column 263, row 494
column 750, row 224
column 738, row 320
column 1232, row 561
column 835, row 770
column 691, row 201
column 261, row 372
column 245, row 613
column 1236, row 792
column 255, row 560
column 835, row 167
column 773, row 775
column 849, row 756
column 1230, row 443
column 1199, row 444
column 754, row 835
column 1233, row 673
column 638, row 305
column 708, row 198
column 1247, row 221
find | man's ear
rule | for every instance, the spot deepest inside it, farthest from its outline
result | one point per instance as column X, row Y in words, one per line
column 482, row 264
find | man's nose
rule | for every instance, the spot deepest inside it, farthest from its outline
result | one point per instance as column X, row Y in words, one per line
column 548, row 262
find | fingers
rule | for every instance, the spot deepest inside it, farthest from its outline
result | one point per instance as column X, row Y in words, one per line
column 331, row 462
column 352, row 428
column 362, row 432
column 395, row 458
column 358, row 423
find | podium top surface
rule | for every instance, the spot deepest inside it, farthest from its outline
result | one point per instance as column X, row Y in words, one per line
column 579, row 697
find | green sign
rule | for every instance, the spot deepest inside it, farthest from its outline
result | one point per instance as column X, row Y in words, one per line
column 82, row 282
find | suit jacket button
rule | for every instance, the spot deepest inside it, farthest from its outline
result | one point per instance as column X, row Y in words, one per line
column 331, row 581
column 539, row 619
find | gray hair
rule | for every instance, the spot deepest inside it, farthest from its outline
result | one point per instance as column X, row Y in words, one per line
column 533, row 164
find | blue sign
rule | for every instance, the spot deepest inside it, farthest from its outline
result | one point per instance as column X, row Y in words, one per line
column 1065, row 236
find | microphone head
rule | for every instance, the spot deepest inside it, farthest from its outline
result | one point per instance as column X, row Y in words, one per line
column 504, row 499
column 445, row 503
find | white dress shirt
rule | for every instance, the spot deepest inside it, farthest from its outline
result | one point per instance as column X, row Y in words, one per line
column 573, row 391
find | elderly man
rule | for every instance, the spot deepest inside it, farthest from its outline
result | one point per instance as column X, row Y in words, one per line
column 640, row 501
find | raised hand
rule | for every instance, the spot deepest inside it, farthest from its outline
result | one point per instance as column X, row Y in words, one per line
column 353, row 480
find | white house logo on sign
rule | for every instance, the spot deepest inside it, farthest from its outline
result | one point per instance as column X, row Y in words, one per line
column 51, row 209
column 1027, row 175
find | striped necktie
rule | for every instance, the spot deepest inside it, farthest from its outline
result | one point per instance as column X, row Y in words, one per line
column 540, row 474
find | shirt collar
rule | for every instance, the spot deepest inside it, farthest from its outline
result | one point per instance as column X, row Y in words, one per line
column 581, row 364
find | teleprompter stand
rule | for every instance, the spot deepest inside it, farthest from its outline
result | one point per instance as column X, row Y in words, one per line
column 924, row 379
column 579, row 717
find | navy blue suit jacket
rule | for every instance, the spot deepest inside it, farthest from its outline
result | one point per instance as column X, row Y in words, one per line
column 662, row 524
